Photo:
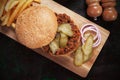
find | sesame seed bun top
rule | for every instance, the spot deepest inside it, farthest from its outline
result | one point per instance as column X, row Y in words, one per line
column 36, row 26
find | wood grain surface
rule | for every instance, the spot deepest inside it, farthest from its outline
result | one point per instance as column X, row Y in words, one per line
column 67, row 61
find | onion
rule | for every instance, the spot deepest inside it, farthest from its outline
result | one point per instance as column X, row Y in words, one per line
column 90, row 29
column 97, row 41
column 93, row 28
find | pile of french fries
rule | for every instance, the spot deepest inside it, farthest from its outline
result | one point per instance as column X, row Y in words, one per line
column 10, row 9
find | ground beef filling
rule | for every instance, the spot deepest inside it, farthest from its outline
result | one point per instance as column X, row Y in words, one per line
column 72, row 41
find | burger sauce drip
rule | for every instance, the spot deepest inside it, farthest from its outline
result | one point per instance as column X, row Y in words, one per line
column 72, row 42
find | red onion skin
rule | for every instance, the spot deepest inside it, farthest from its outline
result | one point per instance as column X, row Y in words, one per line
column 93, row 28
column 90, row 29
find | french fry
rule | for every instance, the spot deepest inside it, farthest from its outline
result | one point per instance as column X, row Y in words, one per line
column 38, row 1
column 13, row 25
column 3, row 17
column 2, row 5
column 15, row 12
column 6, row 18
column 11, row 4
column 27, row 3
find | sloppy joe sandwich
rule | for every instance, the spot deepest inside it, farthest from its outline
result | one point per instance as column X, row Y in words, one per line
column 40, row 27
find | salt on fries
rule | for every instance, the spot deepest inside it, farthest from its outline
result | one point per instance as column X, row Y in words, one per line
column 11, row 9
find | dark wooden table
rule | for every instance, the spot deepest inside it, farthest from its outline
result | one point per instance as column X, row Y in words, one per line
column 20, row 63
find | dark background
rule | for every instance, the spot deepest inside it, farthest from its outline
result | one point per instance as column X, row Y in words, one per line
column 20, row 63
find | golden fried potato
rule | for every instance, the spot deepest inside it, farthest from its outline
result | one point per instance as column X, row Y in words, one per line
column 13, row 25
column 5, row 18
column 25, row 5
column 11, row 4
column 66, row 29
column 15, row 12
column 2, row 5
column 38, row 1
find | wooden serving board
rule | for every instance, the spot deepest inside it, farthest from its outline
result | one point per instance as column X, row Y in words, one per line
column 67, row 61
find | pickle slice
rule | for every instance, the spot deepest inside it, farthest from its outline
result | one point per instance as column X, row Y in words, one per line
column 57, row 39
column 78, row 57
column 63, row 40
column 53, row 46
column 66, row 29
column 87, row 47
